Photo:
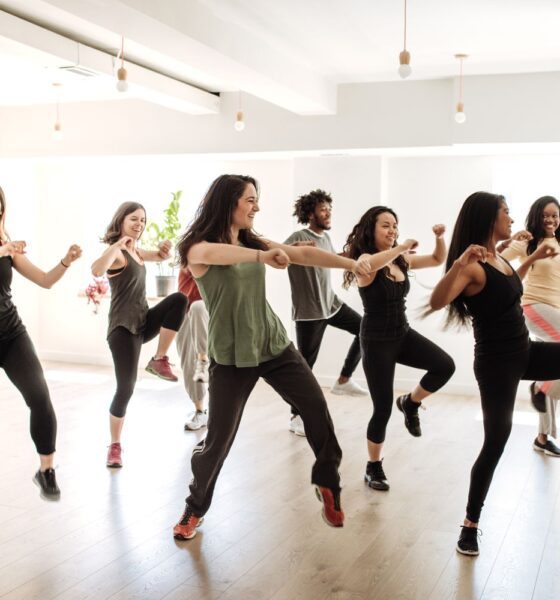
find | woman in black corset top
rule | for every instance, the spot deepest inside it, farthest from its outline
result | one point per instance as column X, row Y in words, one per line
column 131, row 322
column 482, row 287
column 17, row 354
column 385, row 335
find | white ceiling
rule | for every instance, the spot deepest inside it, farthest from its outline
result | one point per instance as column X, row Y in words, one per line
column 292, row 53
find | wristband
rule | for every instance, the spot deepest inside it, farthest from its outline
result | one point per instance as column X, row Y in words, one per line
column 65, row 266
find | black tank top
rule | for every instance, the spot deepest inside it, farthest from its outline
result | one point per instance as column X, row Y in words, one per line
column 129, row 306
column 384, row 307
column 10, row 323
column 497, row 316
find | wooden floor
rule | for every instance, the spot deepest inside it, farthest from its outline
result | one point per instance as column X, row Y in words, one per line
column 110, row 534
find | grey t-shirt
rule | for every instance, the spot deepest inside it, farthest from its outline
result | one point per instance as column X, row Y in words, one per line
column 312, row 295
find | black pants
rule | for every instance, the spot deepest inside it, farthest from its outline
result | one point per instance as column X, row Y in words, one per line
column 498, row 378
column 19, row 360
column 229, row 388
column 125, row 346
column 309, row 335
column 379, row 360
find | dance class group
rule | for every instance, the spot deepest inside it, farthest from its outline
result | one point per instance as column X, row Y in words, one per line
column 228, row 336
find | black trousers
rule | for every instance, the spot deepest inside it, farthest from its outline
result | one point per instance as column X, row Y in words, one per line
column 309, row 335
column 125, row 346
column 21, row 364
column 229, row 388
column 498, row 378
column 380, row 358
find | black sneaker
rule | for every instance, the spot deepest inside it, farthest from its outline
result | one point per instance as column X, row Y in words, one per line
column 468, row 541
column 549, row 448
column 410, row 412
column 375, row 476
column 538, row 399
column 46, row 480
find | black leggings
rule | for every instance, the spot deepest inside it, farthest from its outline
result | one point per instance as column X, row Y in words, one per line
column 498, row 378
column 379, row 360
column 20, row 362
column 125, row 346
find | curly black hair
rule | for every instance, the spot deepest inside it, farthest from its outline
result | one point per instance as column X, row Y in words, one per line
column 305, row 205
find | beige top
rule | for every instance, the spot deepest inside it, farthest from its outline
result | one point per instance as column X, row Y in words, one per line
column 542, row 282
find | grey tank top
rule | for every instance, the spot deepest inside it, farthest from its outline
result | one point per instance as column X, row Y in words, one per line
column 129, row 306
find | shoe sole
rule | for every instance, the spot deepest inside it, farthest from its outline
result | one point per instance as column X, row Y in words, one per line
column 374, row 487
column 546, row 452
column 113, row 466
column 298, row 433
column 399, row 406
column 184, row 538
column 187, row 428
column 154, row 372
column 467, row 552
column 51, row 497
column 320, row 498
column 353, row 394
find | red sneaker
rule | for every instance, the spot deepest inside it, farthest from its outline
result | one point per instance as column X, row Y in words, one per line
column 114, row 459
column 161, row 368
column 186, row 527
column 332, row 512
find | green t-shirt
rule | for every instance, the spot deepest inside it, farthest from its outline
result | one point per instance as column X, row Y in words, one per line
column 243, row 329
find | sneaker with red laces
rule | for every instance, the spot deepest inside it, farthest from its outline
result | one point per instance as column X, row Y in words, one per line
column 114, row 459
column 333, row 514
column 161, row 368
column 186, row 527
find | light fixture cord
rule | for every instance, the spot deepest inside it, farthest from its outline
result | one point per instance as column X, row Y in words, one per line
column 404, row 46
column 239, row 105
column 122, row 51
column 461, row 80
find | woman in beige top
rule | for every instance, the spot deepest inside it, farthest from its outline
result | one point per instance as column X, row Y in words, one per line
column 541, row 305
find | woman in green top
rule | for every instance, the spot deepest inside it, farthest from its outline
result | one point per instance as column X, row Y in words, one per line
column 246, row 341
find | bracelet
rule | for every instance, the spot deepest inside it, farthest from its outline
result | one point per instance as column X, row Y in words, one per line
column 258, row 256
column 65, row 266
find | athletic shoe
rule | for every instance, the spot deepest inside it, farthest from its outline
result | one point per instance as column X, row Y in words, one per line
column 468, row 541
column 375, row 476
column 410, row 412
column 350, row 388
column 201, row 371
column 332, row 512
column 161, row 368
column 549, row 448
column 186, row 527
column 46, row 480
column 114, row 458
column 198, row 420
column 296, row 425
column 538, row 399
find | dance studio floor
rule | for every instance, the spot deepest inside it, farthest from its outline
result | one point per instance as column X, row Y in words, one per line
column 110, row 534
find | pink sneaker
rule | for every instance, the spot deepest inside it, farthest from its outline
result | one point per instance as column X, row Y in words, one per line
column 161, row 368
column 114, row 459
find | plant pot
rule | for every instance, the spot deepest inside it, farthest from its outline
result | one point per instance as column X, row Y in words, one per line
column 165, row 285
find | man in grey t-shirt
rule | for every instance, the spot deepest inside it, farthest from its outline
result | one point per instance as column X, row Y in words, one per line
column 314, row 304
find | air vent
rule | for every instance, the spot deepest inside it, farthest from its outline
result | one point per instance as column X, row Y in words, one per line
column 79, row 71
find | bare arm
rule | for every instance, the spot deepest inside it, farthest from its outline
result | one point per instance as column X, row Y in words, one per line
column 45, row 279
column 436, row 258
column 112, row 257
column 309, row 256
column 379, row 260
column 163, row 253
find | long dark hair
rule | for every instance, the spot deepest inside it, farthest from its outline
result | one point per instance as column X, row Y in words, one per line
column 114, row 229
column 534, row 221
column 213, row 219
column 474, row 225
column 3, row 234
column 362, row 240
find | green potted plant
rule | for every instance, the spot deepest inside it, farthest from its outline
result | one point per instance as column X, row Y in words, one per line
column 156, row 233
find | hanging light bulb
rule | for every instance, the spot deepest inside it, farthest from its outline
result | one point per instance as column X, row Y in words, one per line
column 57, row 134
column 404, row 56
column 239, row 124
column 122, row 83
column 460, row 116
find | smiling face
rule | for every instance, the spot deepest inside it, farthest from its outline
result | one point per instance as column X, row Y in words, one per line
column 551, row 219
column 246, row 209
column 503, row 223
column 320, row 218
column 386, row 231
column 134, row 224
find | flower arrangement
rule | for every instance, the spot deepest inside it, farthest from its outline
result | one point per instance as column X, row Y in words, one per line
column 95, row 291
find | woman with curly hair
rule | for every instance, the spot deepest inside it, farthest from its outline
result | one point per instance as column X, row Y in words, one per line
column 385, row 335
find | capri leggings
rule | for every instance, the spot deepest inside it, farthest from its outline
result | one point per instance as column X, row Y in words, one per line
column 20, row 362
column 125, row 346
column 379, row 358
column 498, row 377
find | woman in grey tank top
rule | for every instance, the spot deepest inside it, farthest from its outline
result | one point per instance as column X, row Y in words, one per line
column 131, row 321
column 247, row 341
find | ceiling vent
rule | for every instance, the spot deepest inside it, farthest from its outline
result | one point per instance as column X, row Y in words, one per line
column 79, row 71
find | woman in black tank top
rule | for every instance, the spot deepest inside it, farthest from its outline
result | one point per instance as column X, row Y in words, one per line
column 482, row 288
column 17, row 354
column 131, row 321
column 386, row 337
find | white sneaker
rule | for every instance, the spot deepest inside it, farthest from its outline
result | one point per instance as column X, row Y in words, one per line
column 197, row 421
column 201, row 371
column 296, row 426
column 350, row 388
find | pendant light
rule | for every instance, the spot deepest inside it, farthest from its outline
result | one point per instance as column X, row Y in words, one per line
column 460, row 116
column 404, row 56
column 122, row 83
